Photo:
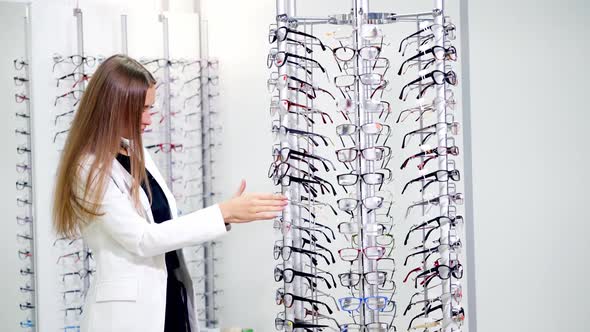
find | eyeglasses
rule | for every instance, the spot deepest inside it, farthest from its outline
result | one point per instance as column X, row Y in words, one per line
column 440, row 222
column 456, row 314
column 80, row 255
column 63, row 115
column 76, row 77
column 59, row 133
column 280, row 250
column 438, row 53
column 281, row 34
column 349, row 205
column 288, row 299
column 436, row 76
column 285, row 154
column 288, row 275
column 449, row 102
column 285, row 105
column 454, row 246
column 344, row 53
column 161, row 63
column 24, row 254
column 76, row 60
column 352, row 279
column 427, row 34
column 372, row 179
column 23, row 220
column 280, row 221
column 385, row 240
column 20, row 98
column 21, row 185
column 375, row 303
column 74, row 94
column 444, row 298
column 440, row 176
column 282, row 324
column 372, row 229
column 19, row 81
column 443, row 272
column 26, row 306
column 165, row 147
column 430, row 131
column 280, row 58
column 280, row 130
column 432, row 154
column 352, row 254
column 284, row 226
column 23, row 202
column 455, row 198
column 20, row 63
column 300, row 85
column 371, row 129
column 286, row 180
column 74, row 309
column 375, row 153
column 84, row 273
column 22, row 115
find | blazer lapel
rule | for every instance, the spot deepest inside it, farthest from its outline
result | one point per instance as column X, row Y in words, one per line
column 151, row 167
column 123, row 180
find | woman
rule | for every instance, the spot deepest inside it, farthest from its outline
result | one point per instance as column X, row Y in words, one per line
column 109, row 191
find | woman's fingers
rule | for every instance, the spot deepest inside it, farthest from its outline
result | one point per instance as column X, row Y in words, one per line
column 268, row 202
column 268, row 208
column 241, row 188
column 266, row 196
column 266, row 215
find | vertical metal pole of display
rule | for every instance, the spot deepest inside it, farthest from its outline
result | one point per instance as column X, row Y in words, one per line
column 292, row 213
column 361, row 8
column 166, row 110
column 467, row 168
column 31, row 162
column 295, row 192
column 124, row 43
column 80, row 35
column 441, row 130
column 206, row 148
column 423, row 182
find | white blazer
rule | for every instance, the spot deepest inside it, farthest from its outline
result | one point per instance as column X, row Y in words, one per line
column 128, row 293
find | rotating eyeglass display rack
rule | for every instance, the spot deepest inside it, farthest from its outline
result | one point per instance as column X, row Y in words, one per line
column 372, row 306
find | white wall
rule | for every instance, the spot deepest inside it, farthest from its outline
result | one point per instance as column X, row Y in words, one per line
column 529, row 109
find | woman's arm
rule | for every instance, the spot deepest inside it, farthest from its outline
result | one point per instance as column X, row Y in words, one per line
column 137, row 235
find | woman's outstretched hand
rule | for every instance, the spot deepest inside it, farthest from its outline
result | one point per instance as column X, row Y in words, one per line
column 246, row 207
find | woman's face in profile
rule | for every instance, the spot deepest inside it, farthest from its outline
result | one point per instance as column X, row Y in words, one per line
column 146, row 116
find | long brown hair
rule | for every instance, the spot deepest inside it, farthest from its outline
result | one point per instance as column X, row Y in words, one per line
column 112, row 104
